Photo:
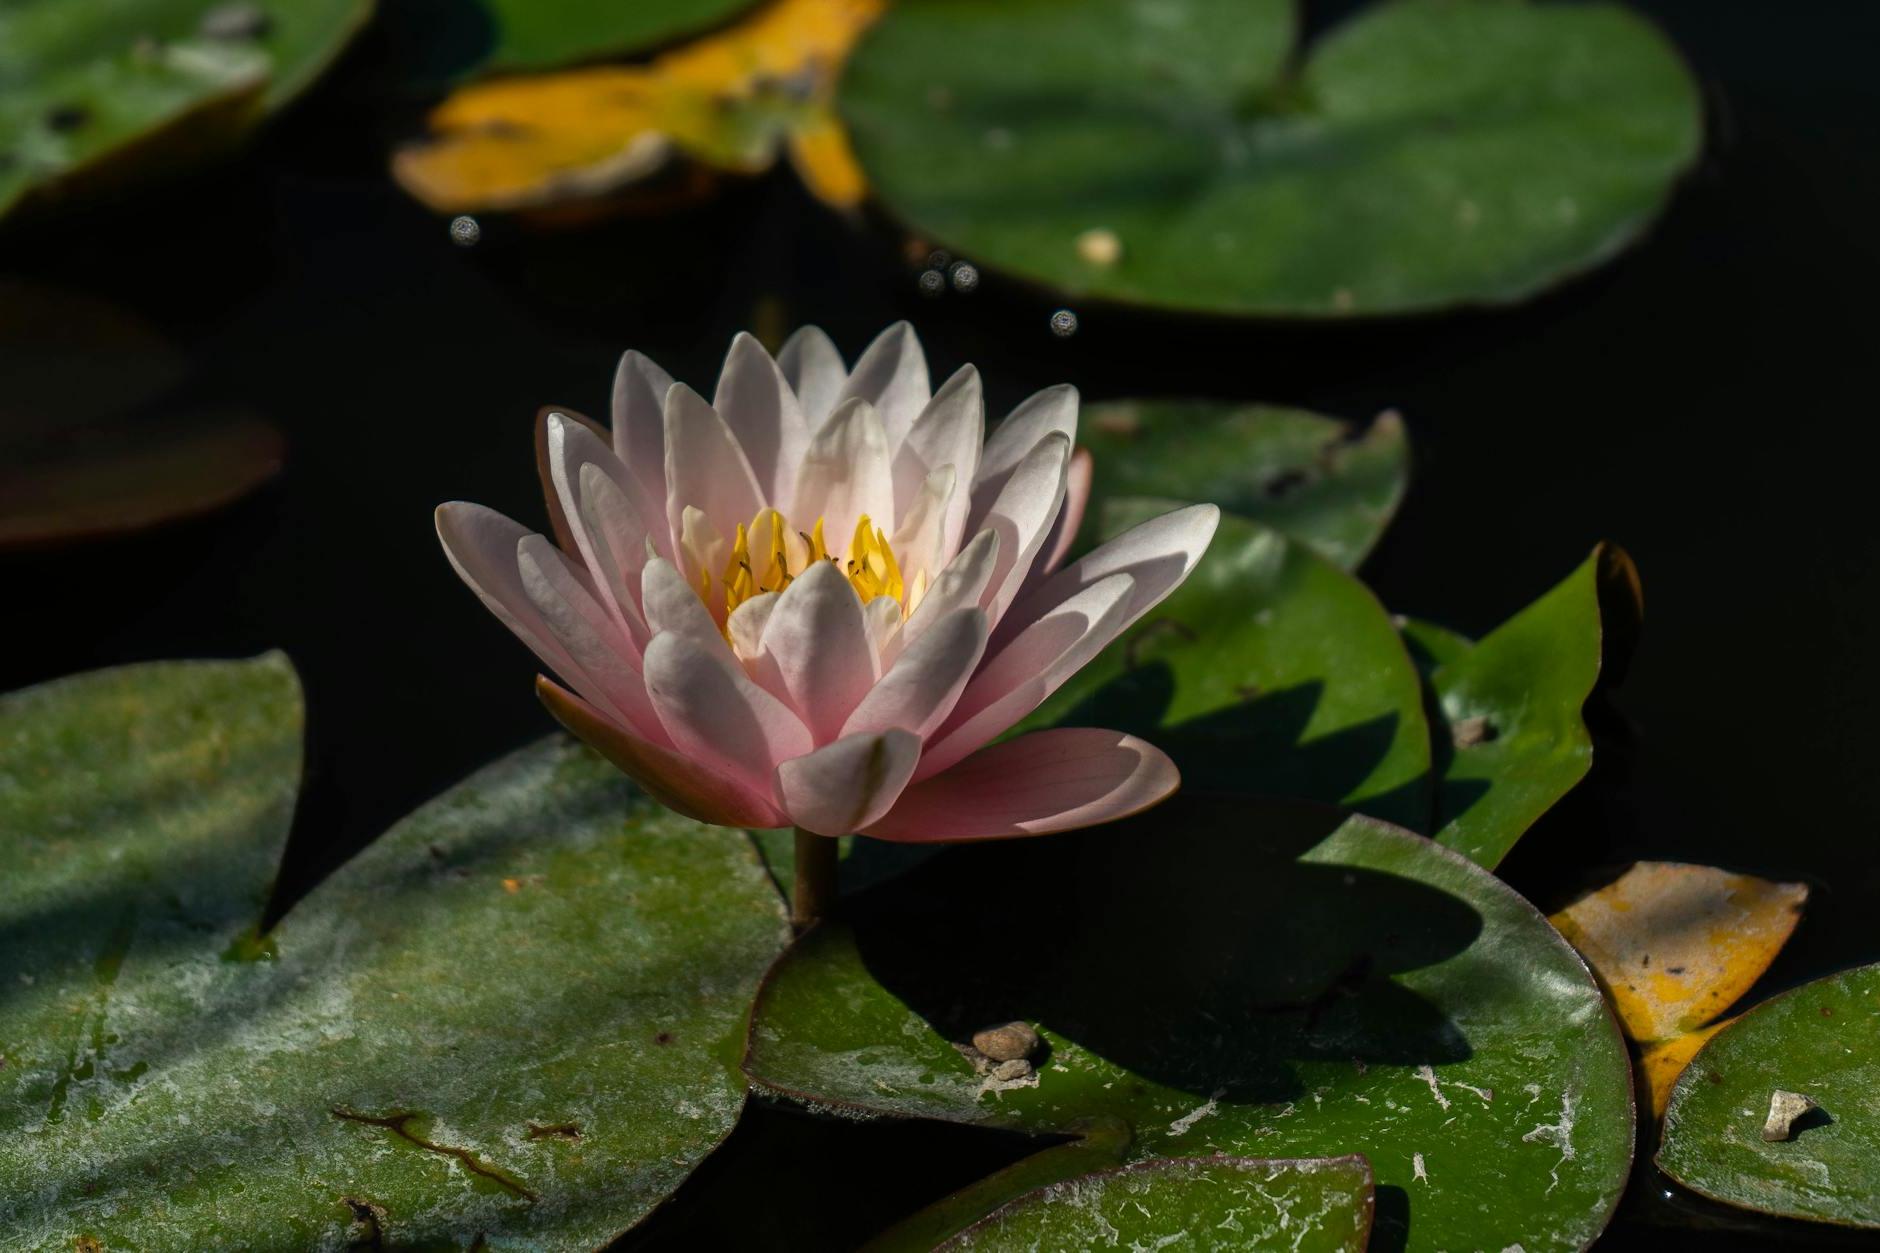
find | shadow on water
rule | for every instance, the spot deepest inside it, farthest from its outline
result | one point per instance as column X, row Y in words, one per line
column 1197, row 949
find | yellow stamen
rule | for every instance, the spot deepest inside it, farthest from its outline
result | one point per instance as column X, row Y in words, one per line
column 871, row 564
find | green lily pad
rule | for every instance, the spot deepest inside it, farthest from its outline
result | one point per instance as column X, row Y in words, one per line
column 93, row 93
column 1432, row 646
column 541, row 34
column 1238, row 977
column 1817, row 1041
column 1422, row 155
column 1315, row 1205
column 513, row 1020
column 1323, row 482
column 1269, row 671
column 1512, row 740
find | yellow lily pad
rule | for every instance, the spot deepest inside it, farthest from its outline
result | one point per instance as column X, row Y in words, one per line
column 732, row 101
column 1660, row 1064
column 1676, row 945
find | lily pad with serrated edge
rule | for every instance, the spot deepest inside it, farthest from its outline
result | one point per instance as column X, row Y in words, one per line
column 1270, row 671
column 98, row 94
column 1423, row 154
column 513, row 1020
column 1323, row 482
column 1240, row 977
column 1817, row 1041
column 1314, row 1205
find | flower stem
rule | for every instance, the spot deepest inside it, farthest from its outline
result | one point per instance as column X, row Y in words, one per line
column 815, row 878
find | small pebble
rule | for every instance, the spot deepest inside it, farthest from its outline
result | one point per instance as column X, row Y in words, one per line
column 1016, row 1068
column 1468, row 732
column 1007, row 1042
column 1784, row 1109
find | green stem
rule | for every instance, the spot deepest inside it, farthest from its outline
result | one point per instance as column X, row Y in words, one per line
column 815, row 878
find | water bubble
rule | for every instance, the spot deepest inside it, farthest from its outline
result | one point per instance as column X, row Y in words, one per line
column 965, row 276
column 939, row 259
column 1064, row 324
column 932, row 282
column 465, row 230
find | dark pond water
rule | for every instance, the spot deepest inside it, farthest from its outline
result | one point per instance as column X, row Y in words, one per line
column 1700, row 402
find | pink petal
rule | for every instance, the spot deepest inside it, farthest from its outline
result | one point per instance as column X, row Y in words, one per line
column 1052, row 411
column 670, row 778
column 1047, row 781
column 818, row 639
column 717, row 716
column 576, row 456
column 920, row 689
column 1030, row 498
column 705, row 468
column 959, row 586
column 618, row 536
column 1158, row 554
column 1070, row 519
column 558, row 521
column 640, row 389
column 673, row 606
column 844, row 786
column 1034, row 665
column 891, row 375
column 589, row 634
column 846, row 474
column 757, row 404
column 948, row 432
column 814, row 370
column 920, row 546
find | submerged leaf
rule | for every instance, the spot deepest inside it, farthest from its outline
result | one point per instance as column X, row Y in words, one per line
column 1322, row 482
column 1240, row 977
column 1818, row 1043
column 731, row 101
column 1311, row 1205
column 512, row 1020
column 1422, row 154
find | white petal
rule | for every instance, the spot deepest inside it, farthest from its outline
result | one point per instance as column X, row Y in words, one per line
column 575, row 457
column 1032, row 495
column 919, row 544
column 1034, row 665
column 959, row 586
column 849, row 784
column 618, row 537
column 745, row 626
column 1158, row 554
column 920, row 689
column 705, row 467
column 819, row 641
column 757, row 404
column 1052, row 411
column 481, row 545
column 640, row 389
column 1056, row 780
column 891, row 375
column 845, row 475
column 883, row 616
column 947, row 433
column 814, row 370
column 1079, row 477
column 587, row 631
column 703, row 550
column 673, row 607
column 717, row 715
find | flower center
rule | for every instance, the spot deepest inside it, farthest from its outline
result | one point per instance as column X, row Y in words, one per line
column 770, row 554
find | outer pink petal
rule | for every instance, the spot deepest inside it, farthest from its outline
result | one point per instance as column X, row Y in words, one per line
column 843, row 787
column 1034, row 665
column 814, row 370
column 818, row 639
column 671, row 779
column 593, row 639
column 575, row 455
column 717, row 716
column 1036, row 784
column 891, row 375
column 1052, row 411
column 640, row 389
column 1078, row 477
column 1021, row 516
column 921, row 688
column 961, row 584
column 757, row 404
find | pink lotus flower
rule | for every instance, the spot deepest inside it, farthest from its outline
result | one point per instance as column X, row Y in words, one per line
column 818, row 599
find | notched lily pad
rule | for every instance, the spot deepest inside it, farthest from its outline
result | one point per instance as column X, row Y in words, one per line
column 1325, row 483
column 1313, row 1205
column 1512, row 740
column 1815, row 1042
column 1234, row 977
column 1424, row 154
column 513, row 1018
column 1269, row 671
